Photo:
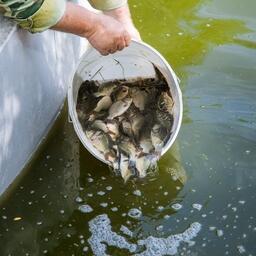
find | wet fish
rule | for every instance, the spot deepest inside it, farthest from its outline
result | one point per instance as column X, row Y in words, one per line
column 99, row 125
column 165, row 119
column 105, row 90
column 139, row 98
column 126, row 128
column 158, row 135
column 142, row 164
column 99, row 140
column 119, row 108
column 103, row 104
column 120, row 93
column 113, row 129
column 125, row 170
column 165, row 103
column 129, row 148
column 146, row 145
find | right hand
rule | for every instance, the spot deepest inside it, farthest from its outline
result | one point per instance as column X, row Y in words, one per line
column 108, row 35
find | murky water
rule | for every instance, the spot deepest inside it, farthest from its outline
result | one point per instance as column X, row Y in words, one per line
column 67, row 199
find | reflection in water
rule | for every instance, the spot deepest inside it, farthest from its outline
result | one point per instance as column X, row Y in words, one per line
column 214, row 155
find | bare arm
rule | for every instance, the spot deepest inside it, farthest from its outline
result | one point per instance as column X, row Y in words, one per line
column 105, row 33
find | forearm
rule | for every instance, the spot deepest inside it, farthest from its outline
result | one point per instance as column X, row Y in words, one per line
column 77, row 20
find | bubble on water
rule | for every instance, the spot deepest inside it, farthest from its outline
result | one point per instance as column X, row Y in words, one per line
column 197, row 206
column 219, row 232
column 104, row 205
column 103, row 178
column 101, row 193
column 39, row 223
column 62, row 211
column 165, row 193
column 247, row 152
column 4, row 217
column 212, row 228
column 160, row 208
column 224, row 217
column 85, row 208
column 126, row 231
column 137, row 192
column 114, row 209
column 102, row 235
column 241, row 249
column 85, row 249
column 90, row 180
column 241, row 202
column 79, row 199
column 160, row 228
column 90, row 195
column 234, row 209
column 176, row 206
column 108, row 188
column 168, row 246
column 32, row 192
column 204, row 215
column 134, row 213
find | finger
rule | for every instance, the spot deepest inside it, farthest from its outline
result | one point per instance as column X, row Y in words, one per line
column 121, row 44
column 127, row 39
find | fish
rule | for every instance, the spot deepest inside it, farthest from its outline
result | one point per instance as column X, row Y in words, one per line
column 139, row 98
column 100, row 141
column 119, row 108
column 120, row 93
column 142, row 164
column 99, row 125
column 128, row 147
column 137, row 121
column 124, row 168
column 165, row 119
column 127, row 128
column 105, row 90
column 165, row 103
column 103, row 104
column 146, row 145
column 113, row 129
column 158, row 135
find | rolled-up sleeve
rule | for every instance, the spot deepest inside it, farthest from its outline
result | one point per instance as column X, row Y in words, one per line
column 35, row 17
column 106, row 5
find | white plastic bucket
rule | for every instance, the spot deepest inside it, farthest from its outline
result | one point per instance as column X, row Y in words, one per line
column 132, row 62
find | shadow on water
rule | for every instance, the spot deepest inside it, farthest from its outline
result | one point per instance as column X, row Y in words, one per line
column 215, row 60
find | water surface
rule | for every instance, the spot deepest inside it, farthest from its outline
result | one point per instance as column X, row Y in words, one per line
column 212, row 47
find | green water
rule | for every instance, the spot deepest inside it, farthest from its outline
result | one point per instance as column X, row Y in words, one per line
column 212, row 47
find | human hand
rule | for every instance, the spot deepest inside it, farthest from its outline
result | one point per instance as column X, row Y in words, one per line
column 108, row 35
column 123, row 15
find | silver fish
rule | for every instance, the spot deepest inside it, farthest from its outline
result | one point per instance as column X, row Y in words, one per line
column 125, row 170
column 142, row 164
column 165, row 119
column 120, row 92
column 99, row 125
column 100, row 141
column 129, row 148
column 127, row 128
column 165, row 103
column 119, row 107
column 113, row 129
column 105, row 90
column 103, row 104
column 146, row 145
column 139, row 98
column 137, row 121
column 157, row 137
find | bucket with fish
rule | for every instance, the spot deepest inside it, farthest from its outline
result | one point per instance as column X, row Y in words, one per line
column 126, row 107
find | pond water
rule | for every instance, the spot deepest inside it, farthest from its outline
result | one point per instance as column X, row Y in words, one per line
column 68, row 203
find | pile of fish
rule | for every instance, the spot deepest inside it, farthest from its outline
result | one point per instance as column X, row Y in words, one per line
column 127, row 121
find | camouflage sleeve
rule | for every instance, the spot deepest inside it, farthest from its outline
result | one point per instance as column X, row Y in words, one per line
column 106, row 5
column 34, row 15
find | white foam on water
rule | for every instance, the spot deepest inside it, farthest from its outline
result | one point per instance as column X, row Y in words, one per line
column 108, row 188
column 101, row 193
column 102, row 235
column 197, row 206
column 104, row 204
column 176, row 206
column 241, row 249
column 85, row 208
column 137, row 192
column 168, row 246
column 134, row 213
column 126, row 231
column 78, row 199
